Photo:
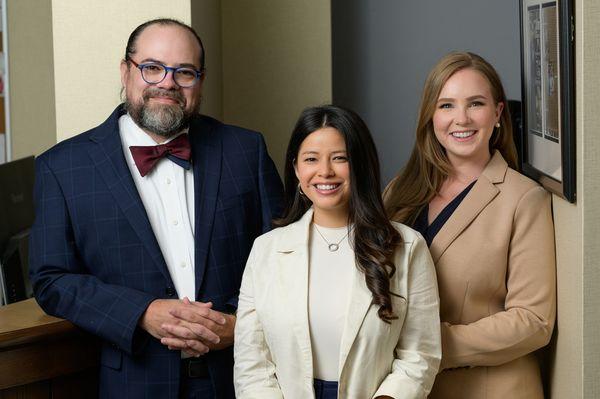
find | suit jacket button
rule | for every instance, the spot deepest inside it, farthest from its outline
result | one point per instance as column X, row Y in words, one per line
column 170, row 291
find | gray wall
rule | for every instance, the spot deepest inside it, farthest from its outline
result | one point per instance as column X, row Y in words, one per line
column 383, row 50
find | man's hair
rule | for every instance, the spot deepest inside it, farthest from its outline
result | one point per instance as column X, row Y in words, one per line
column 131, row 42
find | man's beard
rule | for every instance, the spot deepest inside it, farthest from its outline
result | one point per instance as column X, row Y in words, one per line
column 164, row 120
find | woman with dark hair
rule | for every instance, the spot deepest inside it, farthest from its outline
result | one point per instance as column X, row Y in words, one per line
column 338, row 301
column 490, row 232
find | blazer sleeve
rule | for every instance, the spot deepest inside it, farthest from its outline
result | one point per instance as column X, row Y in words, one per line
column 530, row 307
column 418, row 351
column 270, row 191
column 61, row 283
column 254, row 370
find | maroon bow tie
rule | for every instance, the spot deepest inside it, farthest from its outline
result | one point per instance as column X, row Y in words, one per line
column 178, row 150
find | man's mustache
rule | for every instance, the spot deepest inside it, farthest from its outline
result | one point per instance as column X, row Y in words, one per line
column 157, row 92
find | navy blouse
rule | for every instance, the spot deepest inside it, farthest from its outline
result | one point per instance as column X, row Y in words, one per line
column 429, row 231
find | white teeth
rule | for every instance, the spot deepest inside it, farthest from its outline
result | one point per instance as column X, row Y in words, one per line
column 462, row 135
column 326, row 186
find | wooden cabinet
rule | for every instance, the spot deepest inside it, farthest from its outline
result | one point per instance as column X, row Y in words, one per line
column 44, row 357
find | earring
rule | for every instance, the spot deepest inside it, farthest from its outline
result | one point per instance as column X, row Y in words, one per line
column 497, row 124
column 300, row 190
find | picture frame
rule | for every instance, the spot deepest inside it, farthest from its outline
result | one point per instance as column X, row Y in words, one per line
column 548, row 94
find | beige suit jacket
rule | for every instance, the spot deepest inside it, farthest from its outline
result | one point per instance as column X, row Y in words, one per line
column 495, row 264
column 273, row 356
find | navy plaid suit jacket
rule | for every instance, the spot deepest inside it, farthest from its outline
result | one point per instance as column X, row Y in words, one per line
column 95, row 261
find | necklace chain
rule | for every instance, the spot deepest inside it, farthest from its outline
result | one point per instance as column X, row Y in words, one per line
column 335, row 245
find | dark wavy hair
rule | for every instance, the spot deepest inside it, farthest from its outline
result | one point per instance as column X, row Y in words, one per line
column 374, row 238
column 130, row 49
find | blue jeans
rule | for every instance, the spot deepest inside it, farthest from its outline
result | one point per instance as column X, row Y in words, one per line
column 325, row 389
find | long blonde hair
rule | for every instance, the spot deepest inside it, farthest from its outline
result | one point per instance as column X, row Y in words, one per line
column 428, row 166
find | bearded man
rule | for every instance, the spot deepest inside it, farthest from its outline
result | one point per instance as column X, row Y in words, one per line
column 144, row 223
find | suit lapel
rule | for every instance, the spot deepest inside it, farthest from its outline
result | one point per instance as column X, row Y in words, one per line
column 109, row 160
column 482, row 193
column 360, row 302
column 206, row 159
column 293, row 270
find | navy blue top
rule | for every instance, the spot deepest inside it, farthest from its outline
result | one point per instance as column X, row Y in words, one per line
column 429, row 231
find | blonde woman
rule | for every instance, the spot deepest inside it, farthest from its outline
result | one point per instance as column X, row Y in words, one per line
column 490, row 233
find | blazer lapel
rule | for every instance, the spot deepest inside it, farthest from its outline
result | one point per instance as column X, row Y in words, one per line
column 293, row 276
column 293, row 270
column 109, row 160
column 482, row 193
column 360, row 302
column 206, row 160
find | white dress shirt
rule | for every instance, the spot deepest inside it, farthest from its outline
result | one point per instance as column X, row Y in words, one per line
column 167, row 193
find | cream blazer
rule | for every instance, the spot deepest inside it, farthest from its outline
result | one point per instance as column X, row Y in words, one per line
column 495, row 265
column 273, row 356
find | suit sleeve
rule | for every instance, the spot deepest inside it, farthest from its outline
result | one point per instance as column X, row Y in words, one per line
column 270, row 192
column 254, row 370
column 270, row 187
column 530, row 305
column 61, row 283
column 418, row 351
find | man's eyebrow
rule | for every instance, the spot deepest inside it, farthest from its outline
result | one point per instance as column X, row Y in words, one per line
column 147, row 60
column 182, row 65
column 186, row 65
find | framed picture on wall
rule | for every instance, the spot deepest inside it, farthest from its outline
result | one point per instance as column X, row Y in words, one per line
column 547, row 76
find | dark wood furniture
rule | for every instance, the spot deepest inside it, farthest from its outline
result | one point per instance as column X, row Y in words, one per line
column 44, row 357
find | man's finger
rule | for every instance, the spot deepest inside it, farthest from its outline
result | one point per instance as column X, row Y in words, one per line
column 197, row 346
column 192, row 331
column 192, row 353
column 187, row 301
column 195, row 314
column 202, row 304
column 174, row 343
column 191, row 347
column 156, row 314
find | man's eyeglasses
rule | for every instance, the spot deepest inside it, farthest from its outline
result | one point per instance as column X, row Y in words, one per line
column 155, row 72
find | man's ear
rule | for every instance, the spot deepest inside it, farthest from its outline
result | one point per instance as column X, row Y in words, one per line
column 124, row 67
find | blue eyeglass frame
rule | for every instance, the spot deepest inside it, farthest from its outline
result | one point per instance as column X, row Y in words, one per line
column 167, row 70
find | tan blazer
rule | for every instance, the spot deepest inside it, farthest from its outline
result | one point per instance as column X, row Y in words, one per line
column 273, row 356
column 495, row 264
